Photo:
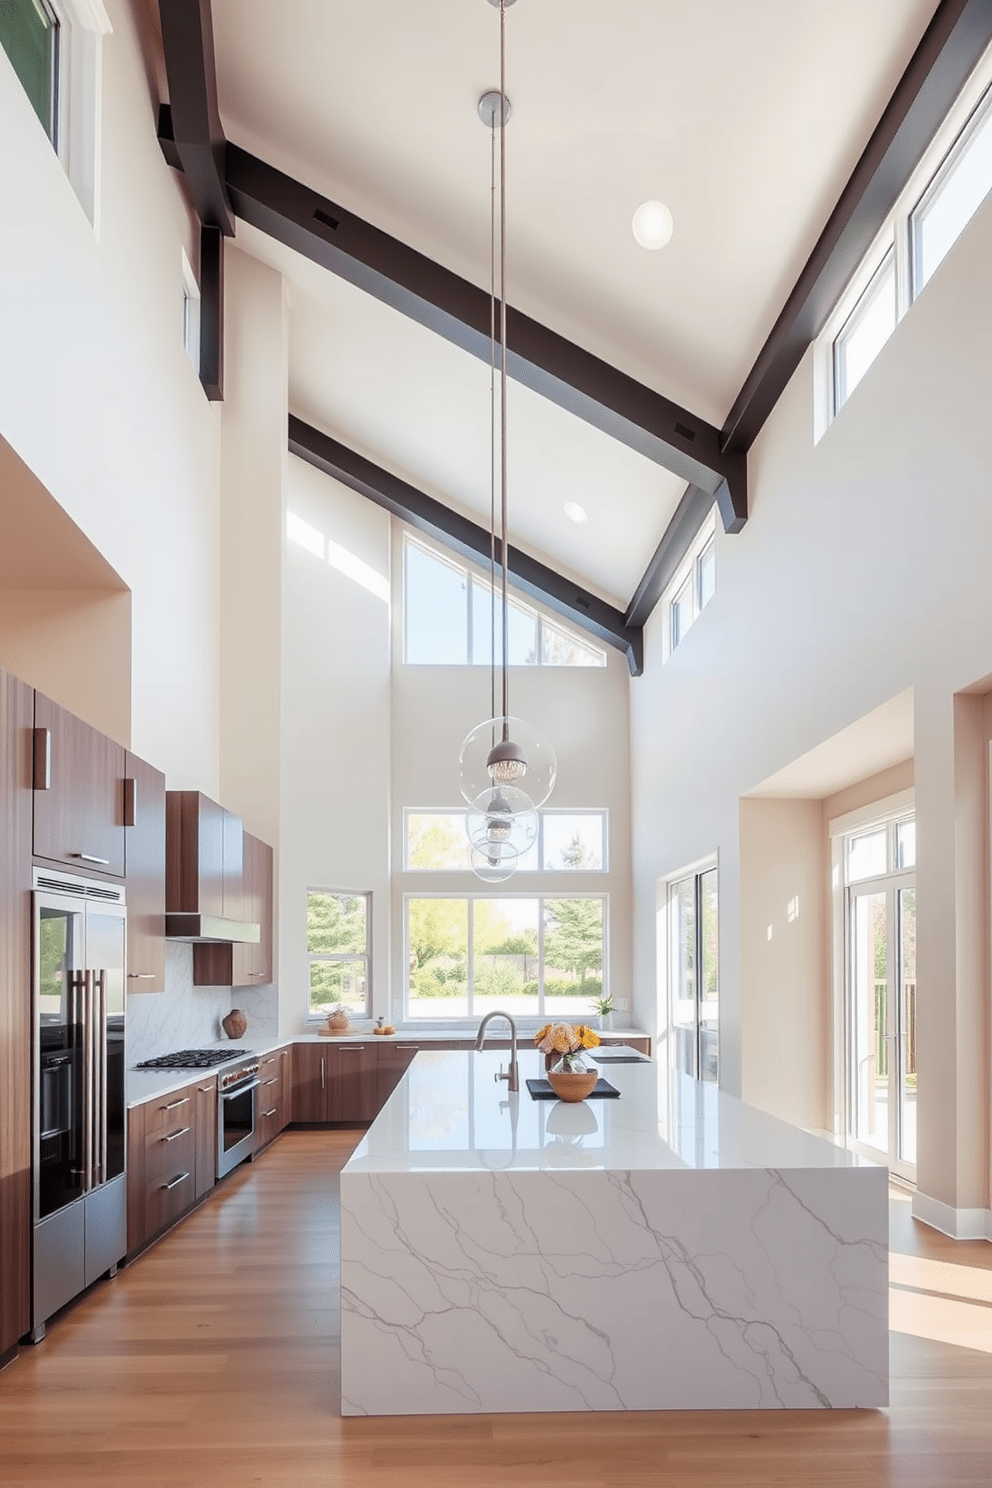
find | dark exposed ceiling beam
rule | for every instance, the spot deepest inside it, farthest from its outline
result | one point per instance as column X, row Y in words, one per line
column 689, row 516
column 952, row 45
column 198, row 140
column 433, row 296
column 467, row 538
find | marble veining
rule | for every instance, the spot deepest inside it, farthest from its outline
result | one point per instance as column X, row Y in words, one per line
column 508, row 1284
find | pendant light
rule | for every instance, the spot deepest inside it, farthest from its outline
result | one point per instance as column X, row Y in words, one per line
column 506, row 768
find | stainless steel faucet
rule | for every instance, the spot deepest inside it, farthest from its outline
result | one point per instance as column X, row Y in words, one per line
column 512, row 1074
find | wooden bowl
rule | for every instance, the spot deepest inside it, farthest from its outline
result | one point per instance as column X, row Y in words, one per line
column 575, row 1085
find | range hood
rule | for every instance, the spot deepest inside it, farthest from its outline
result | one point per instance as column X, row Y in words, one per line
column 205, row 929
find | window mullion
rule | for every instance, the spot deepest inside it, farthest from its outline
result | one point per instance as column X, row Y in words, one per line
column 540, row 956
column 470, row 957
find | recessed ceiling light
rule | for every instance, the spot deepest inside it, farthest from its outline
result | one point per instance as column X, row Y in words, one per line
column 652, row 224
column 576, row 512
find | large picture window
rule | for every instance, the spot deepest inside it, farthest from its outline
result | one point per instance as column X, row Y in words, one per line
column 534, row 957
column 338, row 952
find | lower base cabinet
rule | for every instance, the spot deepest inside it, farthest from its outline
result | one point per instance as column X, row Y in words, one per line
column 275, row 1094
column 172, row 1159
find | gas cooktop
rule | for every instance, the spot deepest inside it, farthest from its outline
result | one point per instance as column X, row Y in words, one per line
column 194, row 1059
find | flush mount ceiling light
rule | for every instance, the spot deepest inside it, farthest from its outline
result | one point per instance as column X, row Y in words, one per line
column 576, row 513
column 652, row 224
column 501, row 755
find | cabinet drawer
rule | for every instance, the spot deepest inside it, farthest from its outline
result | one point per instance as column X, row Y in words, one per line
column 170, row 1150
column 170, row 1111
column 270, row 1124
column 169, row 1198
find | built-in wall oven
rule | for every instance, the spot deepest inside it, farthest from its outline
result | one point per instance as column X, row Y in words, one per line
column 237, row 1115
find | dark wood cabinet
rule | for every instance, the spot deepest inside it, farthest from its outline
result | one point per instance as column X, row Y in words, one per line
column 78, row 793
column 206, row 1137
column 144, row 864
column 393, row 1062
column 16, row 790
column 245, row 963
column 351, row 1082
column 309, row 1102
column 274, row 1095
column 172, row 1159
column 194, row 855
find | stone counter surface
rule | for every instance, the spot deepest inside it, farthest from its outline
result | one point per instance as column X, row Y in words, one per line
column 673, row 1249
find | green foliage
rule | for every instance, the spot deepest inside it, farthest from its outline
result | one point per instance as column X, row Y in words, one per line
column 337, row 981
column 573, row 939
column 438, row 980
column 577, row 854
column 522, row 944
column 497, row 978
column 565, row 987
column 336, row 922
column 437, row 927
column 437, row 842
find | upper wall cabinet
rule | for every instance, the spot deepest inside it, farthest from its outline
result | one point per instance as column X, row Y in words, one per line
column 246, row 963
column 144, row 842
column 78, row 793
column 204, row 871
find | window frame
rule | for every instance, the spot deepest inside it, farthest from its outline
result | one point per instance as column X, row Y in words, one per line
column 190, row 312
column 526, row 1021
column 687, row 577
column 330, row 956
column 472, row 579
column 897, row 236
column 694, row 874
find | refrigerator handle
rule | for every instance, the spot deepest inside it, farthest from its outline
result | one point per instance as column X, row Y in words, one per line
column 89, row 1075
column 100, row 1094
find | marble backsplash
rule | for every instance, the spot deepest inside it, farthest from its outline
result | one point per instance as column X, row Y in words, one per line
column 188, row 1017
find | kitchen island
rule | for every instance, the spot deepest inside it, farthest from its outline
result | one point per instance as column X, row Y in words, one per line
column 670, row 1249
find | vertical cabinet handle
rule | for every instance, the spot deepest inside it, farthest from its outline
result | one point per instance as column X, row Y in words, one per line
column 322, row 1072
column 130, row 801
column 42, row 759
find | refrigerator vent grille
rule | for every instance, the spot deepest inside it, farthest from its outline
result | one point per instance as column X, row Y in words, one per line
column 78, row 887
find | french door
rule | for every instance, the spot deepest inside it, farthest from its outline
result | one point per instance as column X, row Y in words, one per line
column 880, row 1012
column 694, row 974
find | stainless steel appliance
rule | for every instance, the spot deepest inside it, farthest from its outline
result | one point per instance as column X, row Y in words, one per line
column 237, row 1097
column 79, row 1160
column 237, row 1115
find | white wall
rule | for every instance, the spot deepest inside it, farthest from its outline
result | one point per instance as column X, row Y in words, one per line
column 335, row 744
column 98, row 397
column 862, row 571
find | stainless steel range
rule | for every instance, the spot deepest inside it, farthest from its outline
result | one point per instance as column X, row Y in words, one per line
column 237, row 1097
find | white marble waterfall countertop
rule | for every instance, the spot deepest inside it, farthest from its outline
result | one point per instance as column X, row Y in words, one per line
column 449, row 1114
column 670, row 1250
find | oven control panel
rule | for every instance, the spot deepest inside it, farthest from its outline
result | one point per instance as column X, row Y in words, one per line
column 237, row 1076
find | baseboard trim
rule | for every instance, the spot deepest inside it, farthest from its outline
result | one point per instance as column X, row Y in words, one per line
column 959, row 1224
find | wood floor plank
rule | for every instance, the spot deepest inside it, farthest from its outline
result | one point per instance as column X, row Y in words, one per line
column 214, row 1360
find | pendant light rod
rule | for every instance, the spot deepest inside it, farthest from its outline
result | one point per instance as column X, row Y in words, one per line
column 502, row 295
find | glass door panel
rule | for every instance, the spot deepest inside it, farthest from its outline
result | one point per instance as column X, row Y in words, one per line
column 709, row 982
column 868, row 1010
column 60, row 1171
column 906, row 1033
column 682, row 974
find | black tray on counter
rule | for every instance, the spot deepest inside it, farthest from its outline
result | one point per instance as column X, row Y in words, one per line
column 602, row 1090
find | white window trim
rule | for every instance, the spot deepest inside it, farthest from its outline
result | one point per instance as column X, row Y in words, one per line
column 895, row 235
column 365, row 956
column 687, row 569
column 663, row 950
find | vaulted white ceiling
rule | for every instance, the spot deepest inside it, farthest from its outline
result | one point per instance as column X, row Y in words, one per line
column 745, row 116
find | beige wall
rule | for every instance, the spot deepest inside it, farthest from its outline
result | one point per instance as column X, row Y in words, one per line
column 74, row 646
column 786, row 1063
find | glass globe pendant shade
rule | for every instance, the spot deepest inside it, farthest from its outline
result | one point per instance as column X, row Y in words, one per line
column 485, row 750
column 502, row 820
column 491, row 866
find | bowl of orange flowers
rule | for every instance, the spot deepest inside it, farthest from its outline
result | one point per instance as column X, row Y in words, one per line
column 564, row 1046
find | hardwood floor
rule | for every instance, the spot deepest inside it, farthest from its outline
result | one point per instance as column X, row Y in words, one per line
column 213, row 1360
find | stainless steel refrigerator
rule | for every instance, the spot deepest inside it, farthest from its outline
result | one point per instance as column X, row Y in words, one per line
column 80, row 1200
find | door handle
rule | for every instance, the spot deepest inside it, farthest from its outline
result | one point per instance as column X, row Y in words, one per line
column 168, row 1187
column 141, row 976
column 89, row 858
column 89, row 1076
column 100, row 981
